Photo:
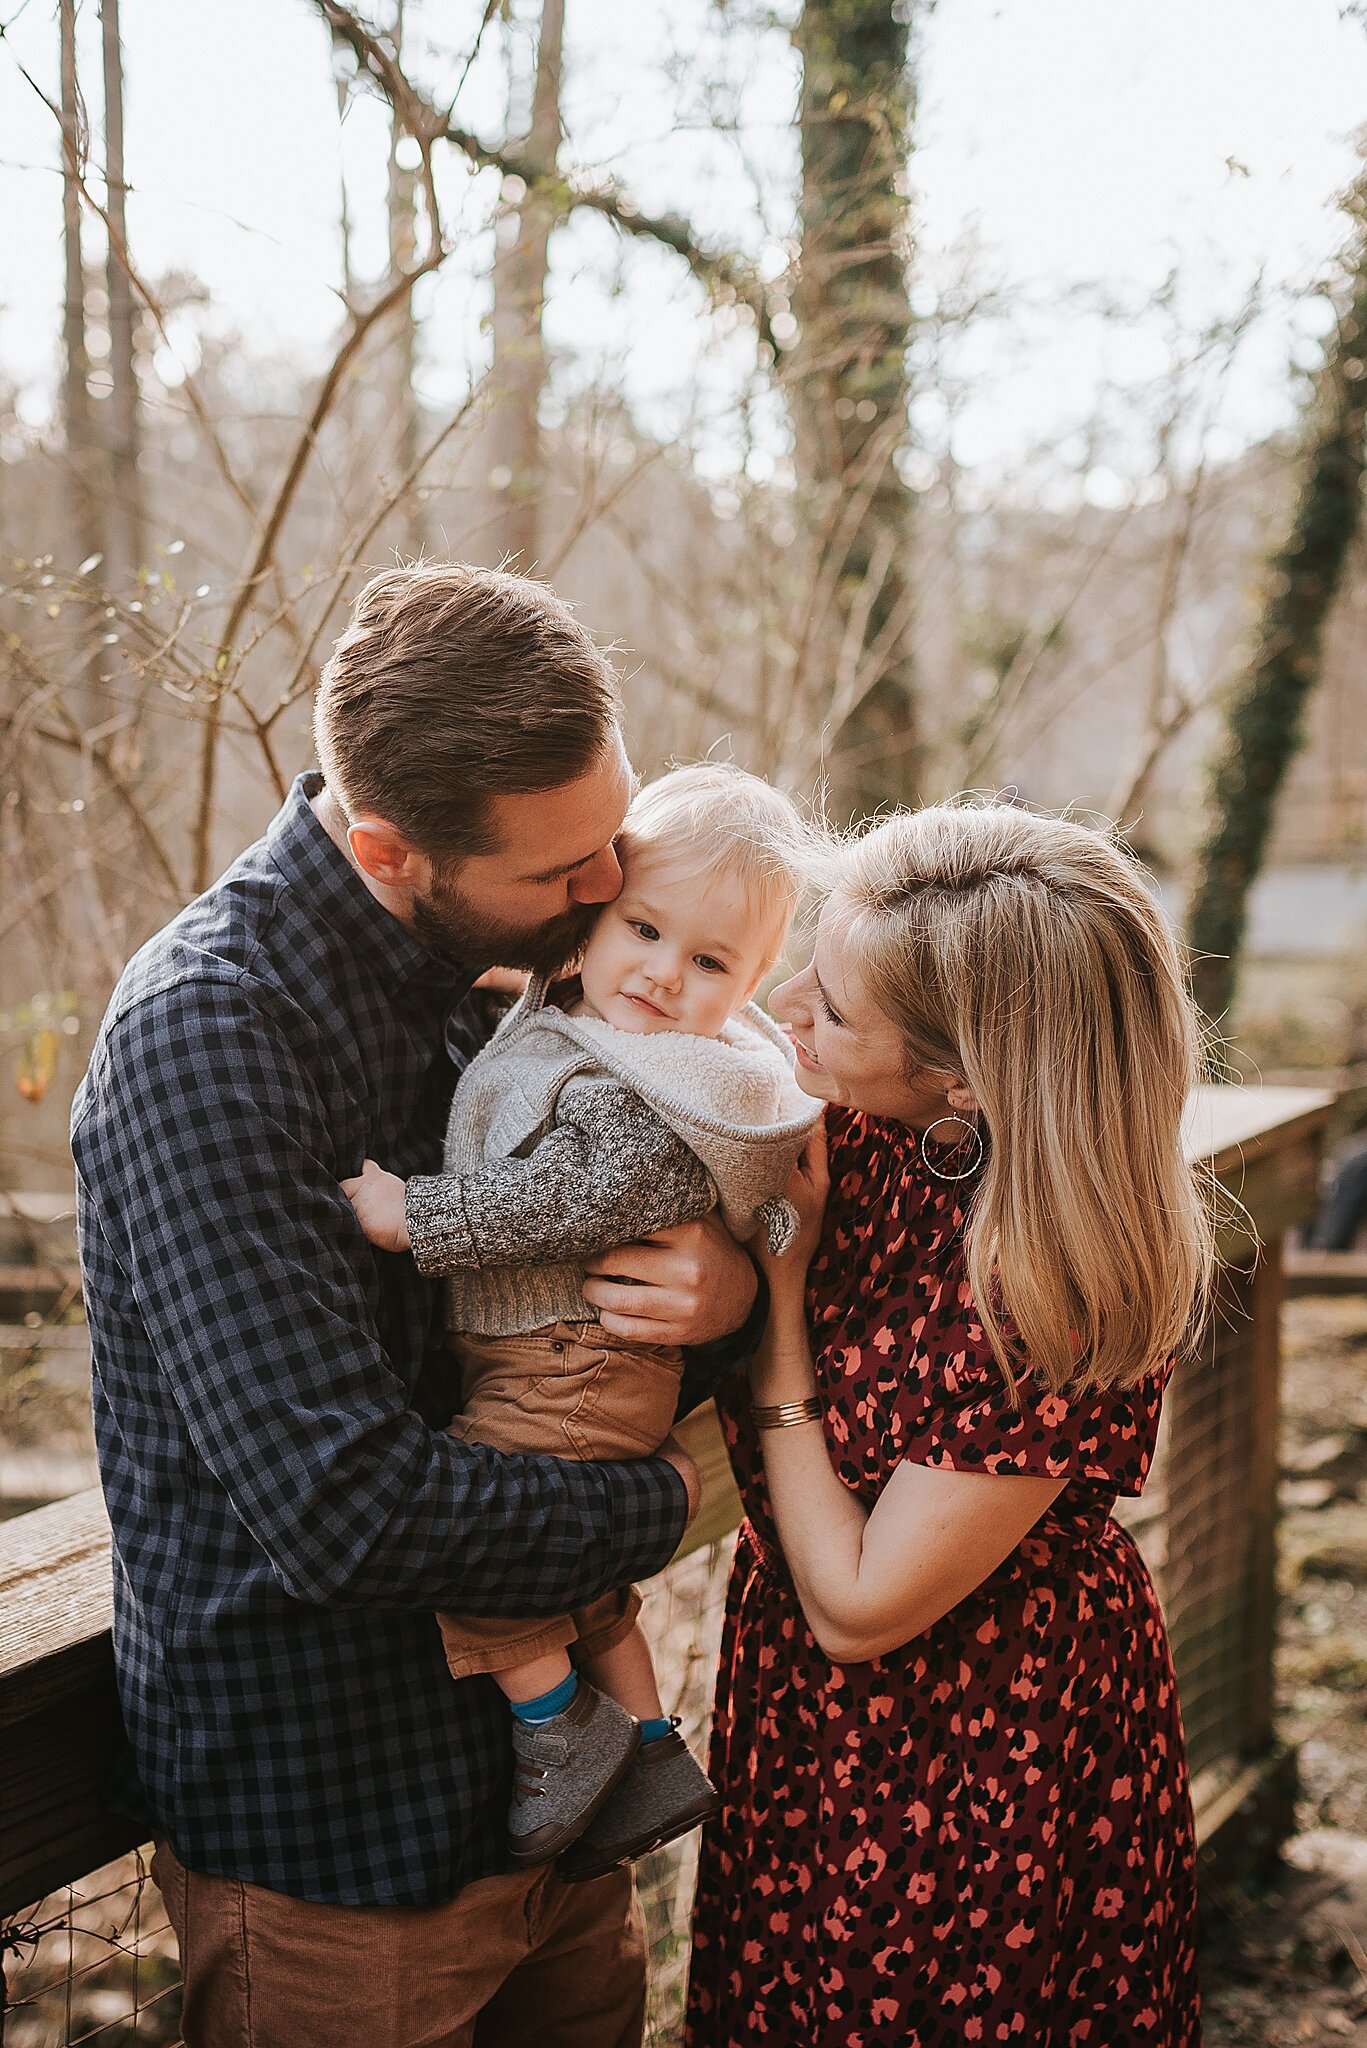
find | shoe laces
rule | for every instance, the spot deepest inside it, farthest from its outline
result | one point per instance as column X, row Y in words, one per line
column 529, row 1778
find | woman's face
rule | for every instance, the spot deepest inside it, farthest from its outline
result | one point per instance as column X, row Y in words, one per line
column 848, row 1050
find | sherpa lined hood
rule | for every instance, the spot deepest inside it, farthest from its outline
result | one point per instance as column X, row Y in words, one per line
column 734, row 1100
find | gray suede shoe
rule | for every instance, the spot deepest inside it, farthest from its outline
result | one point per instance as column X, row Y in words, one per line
column 565, row 1770
column 664, row 1794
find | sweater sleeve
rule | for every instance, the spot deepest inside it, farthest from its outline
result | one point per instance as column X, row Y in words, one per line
column 609, row 1170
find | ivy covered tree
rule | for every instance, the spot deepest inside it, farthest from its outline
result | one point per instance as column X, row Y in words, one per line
column 849, row 379
column 1264, row 719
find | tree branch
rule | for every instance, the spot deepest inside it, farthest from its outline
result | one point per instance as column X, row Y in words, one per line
column 727, row 276
column 263, row 560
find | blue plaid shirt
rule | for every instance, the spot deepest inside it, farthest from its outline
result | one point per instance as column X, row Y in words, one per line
column 268, row 1397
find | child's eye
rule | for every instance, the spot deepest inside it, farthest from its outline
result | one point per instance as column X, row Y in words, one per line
column 642, row 929
column 708, row 964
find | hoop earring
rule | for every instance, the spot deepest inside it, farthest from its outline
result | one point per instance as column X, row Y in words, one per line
column 974, row 1163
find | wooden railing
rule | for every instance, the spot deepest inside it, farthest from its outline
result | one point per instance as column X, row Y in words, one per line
column 59, row 1714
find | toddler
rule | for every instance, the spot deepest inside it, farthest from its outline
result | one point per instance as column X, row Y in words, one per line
column 658, row 1091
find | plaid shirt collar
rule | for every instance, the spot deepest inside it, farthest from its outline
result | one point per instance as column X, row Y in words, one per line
column 315, row 865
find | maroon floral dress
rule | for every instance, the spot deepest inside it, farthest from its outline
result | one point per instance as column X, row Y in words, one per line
column 987, row 1834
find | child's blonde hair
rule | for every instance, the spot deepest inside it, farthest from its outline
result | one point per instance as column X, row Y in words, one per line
column 1027, row 955
column 716, row 819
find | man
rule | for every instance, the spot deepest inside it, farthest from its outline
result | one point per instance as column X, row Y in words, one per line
column 268, row 1393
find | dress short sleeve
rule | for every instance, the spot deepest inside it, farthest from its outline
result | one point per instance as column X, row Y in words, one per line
column 902, row 1359
column 969, row 1423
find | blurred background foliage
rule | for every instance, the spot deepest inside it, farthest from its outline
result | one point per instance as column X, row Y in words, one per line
column 657, row 304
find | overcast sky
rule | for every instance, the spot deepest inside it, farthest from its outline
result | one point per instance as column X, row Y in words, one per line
column 1077, row 140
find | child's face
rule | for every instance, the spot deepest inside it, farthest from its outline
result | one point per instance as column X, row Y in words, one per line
column 674, row 952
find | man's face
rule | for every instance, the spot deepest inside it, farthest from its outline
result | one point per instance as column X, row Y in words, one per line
column 533, row 901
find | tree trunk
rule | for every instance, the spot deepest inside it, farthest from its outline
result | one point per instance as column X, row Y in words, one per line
column 850, row 395
column 77, row 419
column 403, row 243
column 1264, row 720
column 343, row 202
column 89, row 927
column 516, row 467
column 125, row 517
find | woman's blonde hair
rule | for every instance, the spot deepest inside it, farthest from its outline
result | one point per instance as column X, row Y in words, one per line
column 1027, row 954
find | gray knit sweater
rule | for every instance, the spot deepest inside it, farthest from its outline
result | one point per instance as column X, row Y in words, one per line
column 568, row 1136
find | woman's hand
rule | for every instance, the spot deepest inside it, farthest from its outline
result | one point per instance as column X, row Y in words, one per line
column 809, row 1184
column 378, row 1199
column 781, row 1369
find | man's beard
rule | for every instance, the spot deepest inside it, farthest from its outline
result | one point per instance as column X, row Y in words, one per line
column 447, row 922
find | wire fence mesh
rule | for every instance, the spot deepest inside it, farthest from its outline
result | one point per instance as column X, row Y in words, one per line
column 92, row 1963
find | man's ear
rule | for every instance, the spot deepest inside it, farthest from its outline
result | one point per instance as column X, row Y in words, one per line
column 381, row 851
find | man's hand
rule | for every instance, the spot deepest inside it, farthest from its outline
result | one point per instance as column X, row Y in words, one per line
column 677, row 1456
column 378, row 1199
column 688, row 1285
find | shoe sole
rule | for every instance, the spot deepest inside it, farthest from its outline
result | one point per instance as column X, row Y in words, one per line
column 582, row 1873
column 567, row 1836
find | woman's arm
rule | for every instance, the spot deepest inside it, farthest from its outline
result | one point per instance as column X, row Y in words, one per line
column 869, row 1582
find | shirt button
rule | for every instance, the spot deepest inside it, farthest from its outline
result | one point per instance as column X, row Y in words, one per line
column 557, row 1345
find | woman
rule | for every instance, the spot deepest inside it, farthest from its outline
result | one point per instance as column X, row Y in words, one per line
column 955, row 1804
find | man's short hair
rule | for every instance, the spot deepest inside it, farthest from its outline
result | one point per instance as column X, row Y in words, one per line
column 454, row 685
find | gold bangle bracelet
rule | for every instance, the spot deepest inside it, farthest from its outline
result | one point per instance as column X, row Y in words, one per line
column 787, row 1414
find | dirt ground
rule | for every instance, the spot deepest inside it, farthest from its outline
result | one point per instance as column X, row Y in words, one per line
column 1287, row 1963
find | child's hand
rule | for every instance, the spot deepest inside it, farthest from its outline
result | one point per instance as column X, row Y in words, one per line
column 378, row 1199
column 808, row 1186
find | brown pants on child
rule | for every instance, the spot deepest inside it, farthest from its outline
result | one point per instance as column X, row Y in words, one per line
column 572, row 1391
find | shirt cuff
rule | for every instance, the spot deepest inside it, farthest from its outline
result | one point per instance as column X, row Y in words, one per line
column 649, row 1513
column 438, row 1231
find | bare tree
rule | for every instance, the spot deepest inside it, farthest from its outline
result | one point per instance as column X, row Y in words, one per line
column 126, row 526
column 82, row 465
column 402, row 349
column 729, row 277
column 516, row 460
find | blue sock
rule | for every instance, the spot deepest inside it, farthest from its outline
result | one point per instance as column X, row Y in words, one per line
column 551, row 1703
column 651, row 1731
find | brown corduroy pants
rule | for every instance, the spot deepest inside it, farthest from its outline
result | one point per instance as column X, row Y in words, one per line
column 575, row 1392
column 517, row 1961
